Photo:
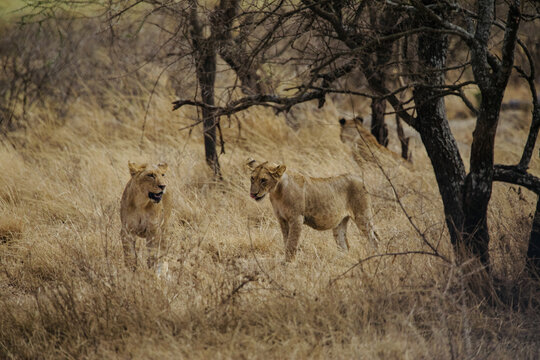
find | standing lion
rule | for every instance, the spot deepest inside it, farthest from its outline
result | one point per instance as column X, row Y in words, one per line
column 144, row 211
column 321, row 203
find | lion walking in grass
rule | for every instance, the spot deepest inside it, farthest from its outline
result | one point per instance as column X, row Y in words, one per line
column 321, row 203
column 144, row 212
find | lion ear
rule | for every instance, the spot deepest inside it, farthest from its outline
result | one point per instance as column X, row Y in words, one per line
column 279, row 170
column 163, row 166
column 251, row 163
column 135, row 168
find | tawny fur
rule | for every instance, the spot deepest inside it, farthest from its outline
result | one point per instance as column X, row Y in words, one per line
column 366, row 149
column 372, row 156
column 321, row 203
column 142, row 215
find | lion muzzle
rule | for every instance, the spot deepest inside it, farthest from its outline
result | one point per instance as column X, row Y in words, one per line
column 156, row 197
column 257, row 197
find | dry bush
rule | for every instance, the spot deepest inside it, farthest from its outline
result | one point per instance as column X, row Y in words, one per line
column 65, row 292
column 76, row 58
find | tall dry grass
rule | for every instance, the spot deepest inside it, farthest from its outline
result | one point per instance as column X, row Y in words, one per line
column 65, row 292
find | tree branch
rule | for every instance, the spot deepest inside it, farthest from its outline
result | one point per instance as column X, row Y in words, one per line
column 509, row 45
column 514, row 175
column 274, row 101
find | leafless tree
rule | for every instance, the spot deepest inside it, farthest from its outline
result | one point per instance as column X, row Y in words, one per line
column 425, row 29
column 198, row 31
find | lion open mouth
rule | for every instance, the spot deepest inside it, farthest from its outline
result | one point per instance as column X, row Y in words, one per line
column 156, row 197
column 256, row 197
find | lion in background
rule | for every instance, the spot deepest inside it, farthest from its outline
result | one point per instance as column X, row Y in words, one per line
column 366, row 149
column 144, row 211
column 379, row 160
column 321, row 203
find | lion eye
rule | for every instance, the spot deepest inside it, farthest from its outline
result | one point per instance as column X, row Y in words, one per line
column 152, row 176
column 162, row 174
column 252, row 179
column 263, row 181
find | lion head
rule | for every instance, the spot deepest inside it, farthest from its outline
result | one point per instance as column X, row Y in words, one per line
column 349, row 129
column 150, row 179
column 264, row 177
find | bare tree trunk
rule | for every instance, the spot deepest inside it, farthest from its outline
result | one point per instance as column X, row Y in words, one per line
column 378, row 106
column 233, row 50
column 205, row 63
column 533, row 252
column 432, row 124
column 447, row 164
column 381, row 58
column 378, row 127
column 492, row 78
column 478, row 184
column 404, row 141
column 206, row 74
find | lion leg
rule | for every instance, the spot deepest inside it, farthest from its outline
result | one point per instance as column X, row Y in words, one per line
column 130, row 253
column 153, row 247
column 295, row 229
column 340, row 234
column 365, row 225
column 363, row 218
column 156, row 252
column 284, row 229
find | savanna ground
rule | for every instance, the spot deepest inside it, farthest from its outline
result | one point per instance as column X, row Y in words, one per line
column 65, row 292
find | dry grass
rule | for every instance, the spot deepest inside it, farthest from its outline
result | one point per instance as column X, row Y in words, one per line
column 65, row 292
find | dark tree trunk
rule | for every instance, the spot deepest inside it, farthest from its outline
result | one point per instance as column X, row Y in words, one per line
column 447, row 164
column 492, row 78
column 205, row 64
column 432, row 124
column 206, row 74
column 378, row 127
column 478, row 185
column 233, row 50
column 382, row 56
column 404, row 141
column 533, row 252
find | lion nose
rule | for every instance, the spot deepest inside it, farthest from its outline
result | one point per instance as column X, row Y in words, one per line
column 162, row 187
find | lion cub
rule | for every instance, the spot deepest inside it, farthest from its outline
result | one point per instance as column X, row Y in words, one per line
column 144, row 211
column 321, row 203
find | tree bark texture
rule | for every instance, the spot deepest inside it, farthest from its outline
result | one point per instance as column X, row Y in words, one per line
column 205, row 63
column 233, row 50
column 378, row 126
column 432, row 124
column 383, row 18
column 447, row 164
column 492, row 78
column 533, row 131
column 206, row 74
column 533, row 252
column 478, row 184
column 404, row 141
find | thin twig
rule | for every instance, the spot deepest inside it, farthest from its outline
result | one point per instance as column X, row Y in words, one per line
column 398, row 199
column 360, row 262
